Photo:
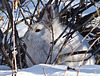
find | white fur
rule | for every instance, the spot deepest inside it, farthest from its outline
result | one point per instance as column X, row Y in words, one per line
column 38, row 44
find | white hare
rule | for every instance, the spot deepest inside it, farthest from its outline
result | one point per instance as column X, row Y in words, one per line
column 38, row 41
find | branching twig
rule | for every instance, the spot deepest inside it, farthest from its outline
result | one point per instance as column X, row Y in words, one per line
column 25, row 18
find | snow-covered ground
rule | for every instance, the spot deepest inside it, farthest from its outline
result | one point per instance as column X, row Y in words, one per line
column 54, row 70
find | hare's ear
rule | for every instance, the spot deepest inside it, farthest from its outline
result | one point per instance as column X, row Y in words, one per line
column 49, row 14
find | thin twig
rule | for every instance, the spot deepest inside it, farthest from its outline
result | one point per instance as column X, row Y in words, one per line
column 51, row 48
column 44, row 71
column 14, row 55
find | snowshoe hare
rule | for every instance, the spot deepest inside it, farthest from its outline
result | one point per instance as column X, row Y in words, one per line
column 38, row 42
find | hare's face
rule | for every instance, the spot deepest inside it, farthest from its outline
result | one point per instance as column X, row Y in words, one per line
column 40, row 33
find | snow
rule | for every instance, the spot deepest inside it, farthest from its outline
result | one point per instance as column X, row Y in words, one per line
column 55, row 70
column 4, row 67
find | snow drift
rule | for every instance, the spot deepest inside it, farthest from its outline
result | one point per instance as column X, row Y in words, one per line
column 55, row 70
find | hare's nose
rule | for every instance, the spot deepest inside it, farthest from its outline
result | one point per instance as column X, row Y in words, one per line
column 37, row 30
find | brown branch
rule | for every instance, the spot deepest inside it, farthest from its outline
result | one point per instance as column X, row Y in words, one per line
column 25, row 18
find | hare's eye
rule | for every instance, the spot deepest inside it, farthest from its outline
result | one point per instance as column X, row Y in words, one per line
column 37, row 30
